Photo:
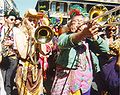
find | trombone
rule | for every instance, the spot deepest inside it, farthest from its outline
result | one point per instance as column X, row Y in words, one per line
column 102, row 15
column 44, row 34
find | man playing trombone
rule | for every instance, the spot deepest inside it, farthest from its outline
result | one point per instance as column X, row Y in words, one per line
column 76, row 61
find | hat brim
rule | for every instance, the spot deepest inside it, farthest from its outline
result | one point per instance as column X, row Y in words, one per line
column 33, row 14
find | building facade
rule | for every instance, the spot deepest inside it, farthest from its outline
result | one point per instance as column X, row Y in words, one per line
column 7, row 5
column 1, row 8
column 56, row 8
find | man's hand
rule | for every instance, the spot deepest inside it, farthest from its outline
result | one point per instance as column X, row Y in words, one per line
column 89, row 29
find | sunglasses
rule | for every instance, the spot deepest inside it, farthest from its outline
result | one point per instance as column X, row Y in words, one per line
column 12, row 19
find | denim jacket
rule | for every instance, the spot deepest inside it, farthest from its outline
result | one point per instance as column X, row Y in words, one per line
column 68, row 51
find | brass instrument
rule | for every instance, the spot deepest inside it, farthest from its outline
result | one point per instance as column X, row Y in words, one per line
column 114, row 21
column 102, row 15
column 98, row 10
column 44, row 34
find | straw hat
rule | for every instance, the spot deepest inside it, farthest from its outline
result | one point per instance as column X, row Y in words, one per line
column 32, row 13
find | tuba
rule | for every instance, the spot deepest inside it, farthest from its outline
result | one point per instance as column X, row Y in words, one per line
column 98, row 10
column 44, row 34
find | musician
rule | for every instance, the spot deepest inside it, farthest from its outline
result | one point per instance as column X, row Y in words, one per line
column 74, row 71
column 45, row 47
column 110, row 64
column 111, row 70
column 29, row 77
column 9, row 61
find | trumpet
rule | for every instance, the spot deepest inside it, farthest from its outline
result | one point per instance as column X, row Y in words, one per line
column 44, row 34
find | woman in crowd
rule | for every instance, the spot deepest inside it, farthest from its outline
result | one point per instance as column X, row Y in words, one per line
column 74, row 72
column 29, row 77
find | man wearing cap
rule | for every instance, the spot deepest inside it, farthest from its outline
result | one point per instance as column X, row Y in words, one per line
column 74, row 71
column 9, row 61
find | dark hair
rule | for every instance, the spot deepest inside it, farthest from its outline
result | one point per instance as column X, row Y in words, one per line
column 19, row 18
column 10, row 13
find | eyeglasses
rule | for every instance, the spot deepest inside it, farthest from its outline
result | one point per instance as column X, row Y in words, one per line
column 11, row 19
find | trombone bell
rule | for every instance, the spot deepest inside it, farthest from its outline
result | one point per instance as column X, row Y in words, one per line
column 44, row 34
column 98, row 10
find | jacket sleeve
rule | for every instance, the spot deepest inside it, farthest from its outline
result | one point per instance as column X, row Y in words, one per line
column 21, row 43
column 99, row 46
column 64, row 41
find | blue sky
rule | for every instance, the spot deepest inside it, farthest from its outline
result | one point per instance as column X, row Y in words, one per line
column 23, row 5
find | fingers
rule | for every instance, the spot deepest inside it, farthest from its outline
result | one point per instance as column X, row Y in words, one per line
column 94, row 29
column 112, row 28
column 89, row 29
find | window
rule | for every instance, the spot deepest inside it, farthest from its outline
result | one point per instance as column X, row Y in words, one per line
column 53, row 6
column 61, row 7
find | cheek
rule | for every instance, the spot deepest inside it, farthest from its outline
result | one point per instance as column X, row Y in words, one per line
column 74, row 25
column 73, row 28
column 9, row 21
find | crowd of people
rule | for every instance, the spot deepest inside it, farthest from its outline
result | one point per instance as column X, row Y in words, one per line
column 79, row 60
